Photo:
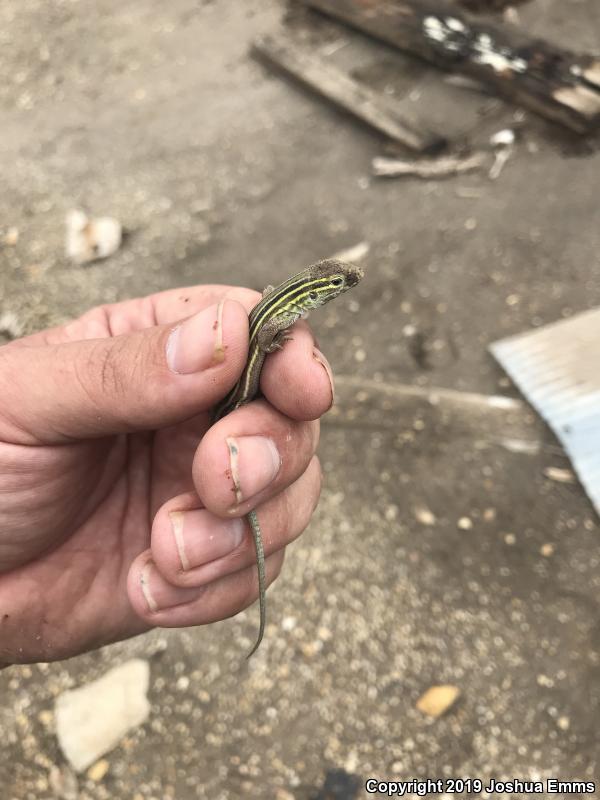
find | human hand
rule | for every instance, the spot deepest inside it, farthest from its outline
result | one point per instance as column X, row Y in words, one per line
column 117, row 508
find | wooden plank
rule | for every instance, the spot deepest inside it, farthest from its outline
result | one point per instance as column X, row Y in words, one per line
column 551, row 81
column 376, row 110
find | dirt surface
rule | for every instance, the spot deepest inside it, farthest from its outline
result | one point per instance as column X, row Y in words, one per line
column 153, row 112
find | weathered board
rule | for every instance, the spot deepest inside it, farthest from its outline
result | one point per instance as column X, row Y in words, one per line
column 553, row 82
column 379, row 111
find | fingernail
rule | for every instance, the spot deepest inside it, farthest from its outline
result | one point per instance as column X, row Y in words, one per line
column 318, row 356
column 145, row 584
column 197, row 343
column 200, row 537
column 161, row 595
column 254, row 463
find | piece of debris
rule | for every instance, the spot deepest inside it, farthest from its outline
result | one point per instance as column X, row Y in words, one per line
column 91, row 239
column 11, row 237
column 425, row 516
column 63, row 782
column 551, row 81
column 380, row 111
column 560, row 475
column 92, row 720
column 354, row 254
column 98, row 770
column 465, row 524
column 502, row 142
column 547, row 550
column 428, row 168
column 10, row 325
column 556, row 368
column 504, row 138
column 437, row 700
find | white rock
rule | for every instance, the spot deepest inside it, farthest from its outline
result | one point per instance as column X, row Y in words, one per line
column 90, row 239
column 503, row 138
column 92, row 720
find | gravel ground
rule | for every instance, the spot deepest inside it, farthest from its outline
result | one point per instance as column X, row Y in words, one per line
column 437, row 556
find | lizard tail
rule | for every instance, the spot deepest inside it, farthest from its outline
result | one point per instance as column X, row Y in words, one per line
column 260, row 564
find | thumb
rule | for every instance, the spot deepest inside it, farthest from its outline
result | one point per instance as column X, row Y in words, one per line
column 138, row 381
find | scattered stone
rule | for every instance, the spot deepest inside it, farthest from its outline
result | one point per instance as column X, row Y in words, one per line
column 91, row 720
column 91, row 239
column 46, row 717
column 489, row 515
column 311, row 649
column 11, row 237
column 560, row 475
column 503, row 138
column 63, row 783
column 283, row 794
column 564, row 723
column 545, row 681
column 510, row 538
column 10, row 325
column 547, row 550
column 437, row 700
column 98, row 770
column 465, row 524
column 425, row 516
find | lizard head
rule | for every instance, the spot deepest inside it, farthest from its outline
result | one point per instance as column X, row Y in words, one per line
column 328, row 279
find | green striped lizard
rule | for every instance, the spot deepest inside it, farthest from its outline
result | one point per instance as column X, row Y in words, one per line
column 269, row 322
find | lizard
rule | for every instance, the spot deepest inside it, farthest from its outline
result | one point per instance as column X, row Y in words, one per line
column 269, row 322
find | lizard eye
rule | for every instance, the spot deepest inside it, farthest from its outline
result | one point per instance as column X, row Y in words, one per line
column 336, row 282
column 313, row 296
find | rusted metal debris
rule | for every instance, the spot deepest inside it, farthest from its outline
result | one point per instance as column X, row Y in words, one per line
column 549, row 80
column 381, row 112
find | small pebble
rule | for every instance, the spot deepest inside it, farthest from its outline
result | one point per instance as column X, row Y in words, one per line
column 559, row 475
column 98, row 770
column 425, row 516
column 510, row 538
column 11, row 237
column 547, row 550
column 437, row 700
column 465, row 524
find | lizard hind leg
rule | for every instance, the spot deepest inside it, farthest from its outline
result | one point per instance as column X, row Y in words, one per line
column 277, row 344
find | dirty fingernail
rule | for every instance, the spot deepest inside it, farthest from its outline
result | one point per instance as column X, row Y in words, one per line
column 197, row 343
column 318, row 356
column 254, row 462
column 145, row 576
column 200, row 537
column 160, row 595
